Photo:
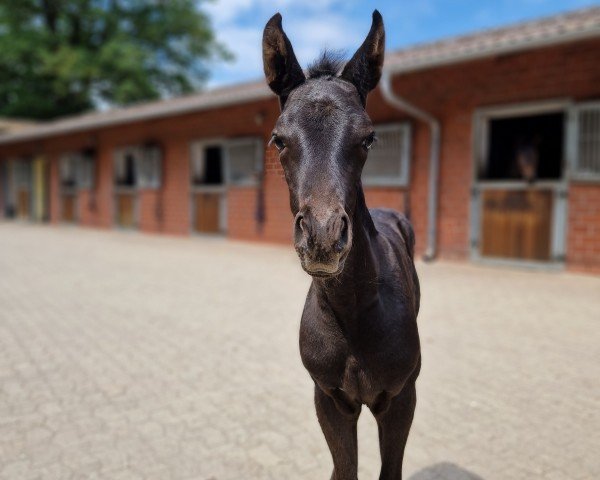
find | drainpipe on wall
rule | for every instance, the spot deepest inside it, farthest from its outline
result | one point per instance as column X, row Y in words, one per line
column 434, row 157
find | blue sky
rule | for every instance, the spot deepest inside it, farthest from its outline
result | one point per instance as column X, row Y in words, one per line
column 315, row 24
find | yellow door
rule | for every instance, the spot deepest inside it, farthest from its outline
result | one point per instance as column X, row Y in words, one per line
column 39, row 209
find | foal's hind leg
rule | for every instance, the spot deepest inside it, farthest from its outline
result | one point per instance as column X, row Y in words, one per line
column 340, row 432
column 394, row 425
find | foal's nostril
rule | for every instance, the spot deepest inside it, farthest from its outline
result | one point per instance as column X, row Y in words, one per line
column 343, row 240
column 299, row 228
column 300, row 224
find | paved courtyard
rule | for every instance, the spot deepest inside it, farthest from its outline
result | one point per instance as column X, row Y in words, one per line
column 128, row 356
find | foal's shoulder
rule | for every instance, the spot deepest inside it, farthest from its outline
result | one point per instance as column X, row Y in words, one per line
column 394, row 224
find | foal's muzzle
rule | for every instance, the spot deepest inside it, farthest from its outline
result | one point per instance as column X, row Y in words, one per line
column 322, row 241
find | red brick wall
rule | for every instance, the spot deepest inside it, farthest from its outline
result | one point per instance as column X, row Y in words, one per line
column 583, row 236
column 451, row 93
column 241, row 212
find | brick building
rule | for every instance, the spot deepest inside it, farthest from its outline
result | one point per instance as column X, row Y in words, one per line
column 490, row 141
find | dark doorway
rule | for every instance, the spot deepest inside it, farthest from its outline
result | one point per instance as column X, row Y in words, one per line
column 525, row 148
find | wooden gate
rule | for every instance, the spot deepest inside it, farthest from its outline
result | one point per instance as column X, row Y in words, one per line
column 125, row 209
column 23, row 203
column 207, row 212
column 69, row 207
column 517, row 224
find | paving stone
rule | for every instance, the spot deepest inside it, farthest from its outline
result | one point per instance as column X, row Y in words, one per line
column 132, row 356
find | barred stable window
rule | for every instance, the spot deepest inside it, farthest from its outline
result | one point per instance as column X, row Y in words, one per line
column 231, row 162
column 85, row 170
column 244, row 161
column 22, row 172
column 76, row 170
column 150, row 167
column 587, row 141
column 388, row 163
column 126, row 167
column 207, row 165
column 138, row 167
column 68, row 171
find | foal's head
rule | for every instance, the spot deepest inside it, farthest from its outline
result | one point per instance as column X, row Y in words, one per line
column 323, row 136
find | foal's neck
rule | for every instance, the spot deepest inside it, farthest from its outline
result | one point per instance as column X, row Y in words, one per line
column 355, row 289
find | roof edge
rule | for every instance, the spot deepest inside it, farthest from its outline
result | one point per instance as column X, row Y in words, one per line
column 77, row 124
column 448, row 51
column 503, row 48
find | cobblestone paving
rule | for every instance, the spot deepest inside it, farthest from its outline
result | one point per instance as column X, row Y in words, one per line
column 126, row 356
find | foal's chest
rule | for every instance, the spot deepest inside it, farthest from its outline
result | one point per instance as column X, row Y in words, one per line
column 358, row 382
column 361, row 377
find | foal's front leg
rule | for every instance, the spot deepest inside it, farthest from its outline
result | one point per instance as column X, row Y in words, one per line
column 394, row 425
column 340, row 432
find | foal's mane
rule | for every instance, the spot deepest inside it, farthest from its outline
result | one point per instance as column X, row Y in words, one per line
column 328, row 64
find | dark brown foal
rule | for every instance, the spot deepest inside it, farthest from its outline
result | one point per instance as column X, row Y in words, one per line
column 358, row 336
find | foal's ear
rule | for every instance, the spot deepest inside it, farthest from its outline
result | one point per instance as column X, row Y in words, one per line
column 364, row 68
column 282, row 69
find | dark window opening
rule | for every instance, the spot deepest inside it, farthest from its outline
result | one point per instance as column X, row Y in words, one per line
column 209, row 169
column 68, row 183
column 68, row 178
column 525, row 148
column 126, row 175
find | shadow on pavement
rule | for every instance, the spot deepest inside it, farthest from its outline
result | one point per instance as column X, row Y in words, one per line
column 444, row 471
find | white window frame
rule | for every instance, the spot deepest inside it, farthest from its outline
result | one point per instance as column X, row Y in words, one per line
column 23, row 173
column 145, row 157
column 480, row 142
column 404, row 158
column 200, row 145
column 150, row 167
column 258, row 160
column 575, row 172
column 84, row 169
column 119, row 156
column 224, row 145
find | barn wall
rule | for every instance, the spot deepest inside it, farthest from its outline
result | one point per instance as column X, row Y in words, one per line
column 450, row 93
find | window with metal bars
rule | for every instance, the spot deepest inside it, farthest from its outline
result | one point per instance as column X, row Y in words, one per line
column 388, row 163
column 76, row 170
column 229, row 162
column 244, row 157
column 68, row 171
column 139, row 167
column 23, row 173
column 587, row 142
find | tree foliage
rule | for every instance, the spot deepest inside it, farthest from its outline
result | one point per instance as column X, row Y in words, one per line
column 60, row 57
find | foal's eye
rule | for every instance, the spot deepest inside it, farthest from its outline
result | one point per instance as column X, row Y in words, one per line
column 278, row 142
column 369, row 141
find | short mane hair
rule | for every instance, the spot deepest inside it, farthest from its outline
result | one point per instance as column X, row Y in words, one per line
column 328, row 64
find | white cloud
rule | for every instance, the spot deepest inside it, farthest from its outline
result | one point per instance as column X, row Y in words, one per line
column 245, row 44
column 224, row 11
column 311, row 27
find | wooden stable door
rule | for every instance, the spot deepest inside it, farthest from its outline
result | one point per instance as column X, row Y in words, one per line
column 68, row 207
column 207, row 212
column 517, row 224
column 23, row 203
column 125, row 209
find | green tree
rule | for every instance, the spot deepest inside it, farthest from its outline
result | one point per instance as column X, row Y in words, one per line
column 60, row 57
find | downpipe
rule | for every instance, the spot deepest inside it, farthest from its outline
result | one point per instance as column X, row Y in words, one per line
column 434, row 157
